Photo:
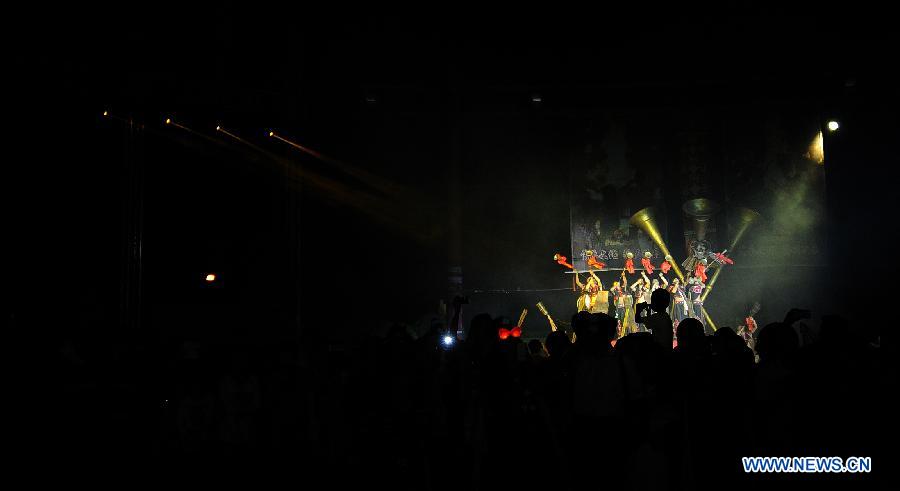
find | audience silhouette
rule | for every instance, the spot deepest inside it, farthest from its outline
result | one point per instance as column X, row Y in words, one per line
column 490, row 411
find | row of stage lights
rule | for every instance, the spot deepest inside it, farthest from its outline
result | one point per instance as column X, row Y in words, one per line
column 832, row 125
column 170, row 121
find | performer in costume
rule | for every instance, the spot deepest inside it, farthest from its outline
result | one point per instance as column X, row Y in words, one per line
column 592, row 298
column 618, row 292
column 662, row 282
column 638, row 291
column 748, row 329
column 695, row 291
column 628, row 323
column 679, row 304
column 649, row 287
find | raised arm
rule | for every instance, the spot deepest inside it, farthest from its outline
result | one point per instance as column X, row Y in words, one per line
column 665, row 282
column 599, row 283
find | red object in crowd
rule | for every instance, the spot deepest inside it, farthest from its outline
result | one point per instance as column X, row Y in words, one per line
column 648, row 266
column 561, row 260
column 629, row 265
column 700, row 272
column 592, row 261
column 514, row 332
column 665, row 267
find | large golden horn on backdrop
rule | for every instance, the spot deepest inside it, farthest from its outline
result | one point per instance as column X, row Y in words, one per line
column 701, row 211
column 746, row 219
column 645, row 219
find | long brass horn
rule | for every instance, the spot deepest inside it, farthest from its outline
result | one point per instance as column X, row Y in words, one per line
column 746, row 219
column 701, row 212
column 645, row 219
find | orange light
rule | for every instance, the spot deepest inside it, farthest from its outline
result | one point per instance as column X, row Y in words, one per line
column 210, row 278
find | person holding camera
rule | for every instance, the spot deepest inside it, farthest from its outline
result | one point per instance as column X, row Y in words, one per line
column 658, row 321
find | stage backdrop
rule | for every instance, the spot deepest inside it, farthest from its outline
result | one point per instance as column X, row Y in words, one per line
column 611, row 180
column 768, row 158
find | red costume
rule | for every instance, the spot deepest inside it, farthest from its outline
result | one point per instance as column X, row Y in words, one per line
column 665, row 267
column 629, row 265
column 648, row 266
column 560, row 259
column 592, row 261
column 751, row 324
column 700, row 272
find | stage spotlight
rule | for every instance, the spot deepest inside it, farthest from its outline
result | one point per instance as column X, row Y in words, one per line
column 833, row 125
column 168, row 121
column 218, row 128
column 448, row 340
column 106, row 113
column 536, row 98
column 210, row 278
column 271, row 133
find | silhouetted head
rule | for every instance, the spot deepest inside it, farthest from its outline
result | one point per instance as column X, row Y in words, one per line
column 725, row 331
column 580, row 323
column 482, row 336
column 606, row 324
column 690, row 335
column 725, row 340
column 536, row 349
column 660, row 299
column 594, row 331
column 557, row 344
column 777, row 341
